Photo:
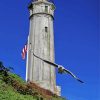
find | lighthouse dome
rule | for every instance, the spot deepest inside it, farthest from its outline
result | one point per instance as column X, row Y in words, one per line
column 43, row 0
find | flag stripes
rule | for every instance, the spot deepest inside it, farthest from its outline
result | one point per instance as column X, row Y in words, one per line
column 24, row 51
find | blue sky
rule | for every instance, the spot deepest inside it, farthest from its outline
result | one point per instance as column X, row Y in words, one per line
column 76, row 27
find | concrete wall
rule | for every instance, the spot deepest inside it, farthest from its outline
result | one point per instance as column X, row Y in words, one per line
column 41, row 42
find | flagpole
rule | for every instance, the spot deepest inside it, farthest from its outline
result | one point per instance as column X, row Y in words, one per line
column 27, row 60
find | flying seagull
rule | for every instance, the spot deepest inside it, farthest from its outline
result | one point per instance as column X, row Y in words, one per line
column 61, row 69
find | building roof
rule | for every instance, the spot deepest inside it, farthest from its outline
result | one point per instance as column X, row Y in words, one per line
column 46, row 0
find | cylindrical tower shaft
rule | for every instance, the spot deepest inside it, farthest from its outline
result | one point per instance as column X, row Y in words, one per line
column 41, row 42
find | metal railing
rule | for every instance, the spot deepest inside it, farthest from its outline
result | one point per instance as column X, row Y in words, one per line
column 52, row 1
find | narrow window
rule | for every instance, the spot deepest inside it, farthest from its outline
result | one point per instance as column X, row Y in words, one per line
column 30, row 46
column 46, row 29
column 46, row 8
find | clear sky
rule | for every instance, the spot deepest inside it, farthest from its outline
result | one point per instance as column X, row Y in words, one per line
column 76, row 28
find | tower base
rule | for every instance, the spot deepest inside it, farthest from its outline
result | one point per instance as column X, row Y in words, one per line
column 45, row 85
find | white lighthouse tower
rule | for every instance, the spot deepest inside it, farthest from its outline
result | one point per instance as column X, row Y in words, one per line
column 41, row 42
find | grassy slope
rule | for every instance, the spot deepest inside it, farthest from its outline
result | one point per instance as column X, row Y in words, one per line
column 7, row 92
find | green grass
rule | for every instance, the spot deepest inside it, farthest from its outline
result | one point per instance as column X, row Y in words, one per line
column 8, row 90
column 18, row 78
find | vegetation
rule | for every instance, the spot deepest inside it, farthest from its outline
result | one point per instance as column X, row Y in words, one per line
column 12, row 87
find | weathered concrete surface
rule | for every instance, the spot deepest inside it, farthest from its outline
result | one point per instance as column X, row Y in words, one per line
column 41, row 42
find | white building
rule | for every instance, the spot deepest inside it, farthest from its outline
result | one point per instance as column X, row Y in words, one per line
column 41, row 42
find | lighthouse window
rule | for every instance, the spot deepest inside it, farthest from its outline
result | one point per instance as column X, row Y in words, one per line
column 30, row 46
column 46, row 8
column 46, row 29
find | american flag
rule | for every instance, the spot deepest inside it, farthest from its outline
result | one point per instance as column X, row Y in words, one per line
column 24, row 51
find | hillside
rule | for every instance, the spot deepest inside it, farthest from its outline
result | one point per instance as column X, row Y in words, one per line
column 12, row 87
column 8, row 93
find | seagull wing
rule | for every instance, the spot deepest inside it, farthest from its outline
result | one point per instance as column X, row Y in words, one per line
column 51, row 63
column 67, row 71
column 46, row 61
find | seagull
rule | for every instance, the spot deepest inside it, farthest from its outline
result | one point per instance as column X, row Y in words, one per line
column 61, row 69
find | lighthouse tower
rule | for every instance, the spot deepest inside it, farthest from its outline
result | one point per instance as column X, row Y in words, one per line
column 41, row 42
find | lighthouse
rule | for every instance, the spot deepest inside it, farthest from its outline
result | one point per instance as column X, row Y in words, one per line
column 41, row 42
